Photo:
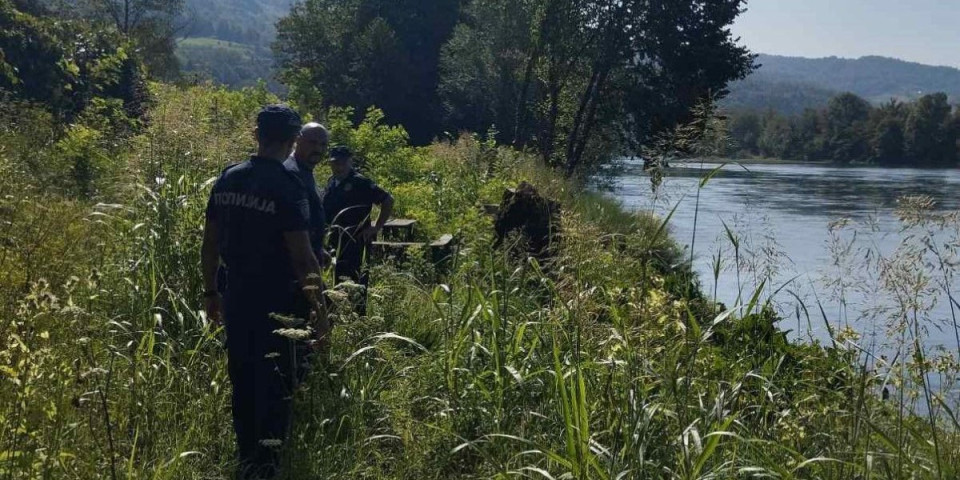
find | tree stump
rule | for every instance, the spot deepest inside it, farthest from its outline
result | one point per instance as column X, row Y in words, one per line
column 536, row 218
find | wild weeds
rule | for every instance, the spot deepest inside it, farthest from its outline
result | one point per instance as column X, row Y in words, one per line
column 606, row 363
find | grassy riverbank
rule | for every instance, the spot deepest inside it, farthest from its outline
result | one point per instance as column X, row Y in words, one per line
column 606, row 364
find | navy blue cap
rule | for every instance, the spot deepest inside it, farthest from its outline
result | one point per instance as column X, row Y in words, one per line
column 340, row 152
column 278, row 123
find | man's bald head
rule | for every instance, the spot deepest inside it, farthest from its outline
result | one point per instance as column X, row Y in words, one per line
column 313, row 128
column 312, row 145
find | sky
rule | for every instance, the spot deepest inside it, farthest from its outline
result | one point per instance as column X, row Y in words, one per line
column 924, row 31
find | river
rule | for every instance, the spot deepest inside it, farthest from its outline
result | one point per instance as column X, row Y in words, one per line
column 815, row 233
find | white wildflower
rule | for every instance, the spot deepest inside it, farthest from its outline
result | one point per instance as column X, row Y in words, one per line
column 271, row 355
column 271, row 442
column 350, row 286
column 293, row 333
column 337, row 295
column 287, row 321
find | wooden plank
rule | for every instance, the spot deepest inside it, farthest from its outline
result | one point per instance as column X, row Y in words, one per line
column 398, row 245
column 399, row 229
column 443, row 241
column 400, row 223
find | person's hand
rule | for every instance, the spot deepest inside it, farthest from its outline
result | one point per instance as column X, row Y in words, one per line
column 214, row 308
column 369, row 234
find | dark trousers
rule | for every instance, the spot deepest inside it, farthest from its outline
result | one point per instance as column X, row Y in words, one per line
column 351, row 264
column 265, row 369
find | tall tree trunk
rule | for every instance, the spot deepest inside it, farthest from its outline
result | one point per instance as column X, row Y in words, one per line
column 549, row 136
column 589, row 123
column 585, row 100
column 520, row 117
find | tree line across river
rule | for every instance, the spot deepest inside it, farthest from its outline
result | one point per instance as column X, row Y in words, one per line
column 850, row 130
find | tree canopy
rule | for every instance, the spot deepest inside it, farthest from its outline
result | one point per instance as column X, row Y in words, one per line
column 365, row 53
column 575, row 80
column 65, row 65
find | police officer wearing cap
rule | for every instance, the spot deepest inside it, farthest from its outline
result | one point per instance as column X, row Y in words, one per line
column 347, row 202
column 257, row 225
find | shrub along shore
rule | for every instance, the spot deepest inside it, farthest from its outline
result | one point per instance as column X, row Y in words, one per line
column 607, row 363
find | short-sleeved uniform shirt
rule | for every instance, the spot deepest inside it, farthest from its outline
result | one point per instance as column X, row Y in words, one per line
column 318, row 221
column 347, row 203
column 254, row 203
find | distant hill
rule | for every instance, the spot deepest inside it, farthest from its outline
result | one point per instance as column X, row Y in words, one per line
column 228, row 41
column 767, row 92
column 249, row 22
column 228, row 63
column 790, row 84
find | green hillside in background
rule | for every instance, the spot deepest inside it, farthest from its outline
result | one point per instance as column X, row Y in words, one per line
column 761, row 91
column 230, row 63
column 228, row 41
column 877, row 79
column 791, row 84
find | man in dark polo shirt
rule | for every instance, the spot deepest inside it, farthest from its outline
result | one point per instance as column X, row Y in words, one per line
column 347, row 202
column 310, row 151
column 257, row 226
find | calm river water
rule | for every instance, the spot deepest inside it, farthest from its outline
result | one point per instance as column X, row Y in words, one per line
column 782, row 217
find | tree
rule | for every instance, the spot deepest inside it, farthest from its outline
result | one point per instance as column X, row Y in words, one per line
column 776, row 137
column 685, row 54
column 364, row 53
column 745, row 131
column 887, row 140
column 64, row 65
column 846, row 119
column 808, row 131
column 485, row 66
column 578, row 79
column 931, row 135
column 149, row 24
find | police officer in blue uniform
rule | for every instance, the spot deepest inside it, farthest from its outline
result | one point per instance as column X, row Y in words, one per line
column 257, row 225
column 310, row 151
column 347, row 201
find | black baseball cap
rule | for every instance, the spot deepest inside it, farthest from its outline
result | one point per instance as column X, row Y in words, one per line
column 340, row 152
column 278, row 123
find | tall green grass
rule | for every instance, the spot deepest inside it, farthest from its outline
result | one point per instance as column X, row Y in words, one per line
column 607, row 362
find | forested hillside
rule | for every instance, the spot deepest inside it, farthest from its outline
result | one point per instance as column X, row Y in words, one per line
column 791, row 84
column 878, row 79
column 228, row 41
column 761, row 91
column 250, row 22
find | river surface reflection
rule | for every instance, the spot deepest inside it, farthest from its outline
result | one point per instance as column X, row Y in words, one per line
column 817, row 233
